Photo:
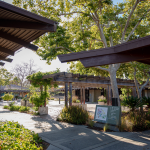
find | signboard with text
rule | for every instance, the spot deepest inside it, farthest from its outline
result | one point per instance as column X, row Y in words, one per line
column 107, row 114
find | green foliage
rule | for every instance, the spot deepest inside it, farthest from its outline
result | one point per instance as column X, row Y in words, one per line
column 24, row 109
column 90, row 123
column 135, row 121
column 11, row 104
column 35, row 108
column 146, row 100
column 14, row 108
column 5, row 76
column 5, row 107
column 125, row 93
column 131, row 102
column 7, row 97
column 25, row 99
column 102, row 99
column 14, row 136
column 74, row 114
column 106, row 127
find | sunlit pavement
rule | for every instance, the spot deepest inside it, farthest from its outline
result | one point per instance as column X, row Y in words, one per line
column 64, row 136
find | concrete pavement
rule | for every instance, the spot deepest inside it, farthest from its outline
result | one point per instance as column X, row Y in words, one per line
column 64, row 136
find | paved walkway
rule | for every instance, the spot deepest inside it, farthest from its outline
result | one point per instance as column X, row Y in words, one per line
column 64, row 136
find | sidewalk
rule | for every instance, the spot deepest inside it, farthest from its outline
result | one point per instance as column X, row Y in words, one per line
column 64, row 136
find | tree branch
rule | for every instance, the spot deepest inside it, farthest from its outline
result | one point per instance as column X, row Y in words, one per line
column 129, row 17
column 136, row 25
column 61, row 47
column 145, row 83
column 105, row 69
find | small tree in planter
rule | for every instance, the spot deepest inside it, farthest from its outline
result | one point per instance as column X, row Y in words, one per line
column 102, row 100
column 40, row 99
column 7, row 97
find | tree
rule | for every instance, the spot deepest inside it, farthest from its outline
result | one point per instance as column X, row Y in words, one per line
column 21, row 71
column 90, row 25
column 5, row 76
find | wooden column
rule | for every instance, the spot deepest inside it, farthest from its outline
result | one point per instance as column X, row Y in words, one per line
column 83, row 95
column 66, row 94
column 70, row 94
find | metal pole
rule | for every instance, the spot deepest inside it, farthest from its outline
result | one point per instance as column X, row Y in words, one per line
column 59, row 100
column 70, row 94
column 66, row 94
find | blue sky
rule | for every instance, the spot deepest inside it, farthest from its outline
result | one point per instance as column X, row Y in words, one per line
column 25, row 55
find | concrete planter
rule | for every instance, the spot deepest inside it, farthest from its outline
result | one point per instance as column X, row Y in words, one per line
column 76, row 104
column 102, row 103
column 28, row 104
column 43, row 110
column 84, row 106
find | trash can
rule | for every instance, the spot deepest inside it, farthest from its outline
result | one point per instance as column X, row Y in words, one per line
column 114, row 101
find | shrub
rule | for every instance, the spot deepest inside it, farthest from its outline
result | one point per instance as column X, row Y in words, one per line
column 146, row 100
column 74, row 98
column 91, row 123
column 136, row 121
column 131, row 102
column 14, row 108
column 52, row 98
column 102, row 99
column 11, row 104
column 35, row 108
column 24, row 109
column 7, row 97
column 77, row 101
column 74, row 114
column 6, row 107
column 15, row 136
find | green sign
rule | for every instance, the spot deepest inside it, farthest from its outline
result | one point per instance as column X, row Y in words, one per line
column 107, row 114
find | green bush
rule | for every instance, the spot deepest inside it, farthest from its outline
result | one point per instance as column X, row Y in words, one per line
column 11, row 104
column 102, row 99
column 7, row 97
column 14, row 137
column 35, row 108
column 14, row 108
column 6, row 107
column 131, row 102
column 52, row 98
column 24, row 109
column 74, row 114
column 146, row 100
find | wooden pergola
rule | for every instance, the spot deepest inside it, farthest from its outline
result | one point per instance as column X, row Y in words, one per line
column 83, row 82
column 18, row 28
column 135, row 50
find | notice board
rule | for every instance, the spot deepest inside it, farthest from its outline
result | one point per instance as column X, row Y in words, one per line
column 107, row 114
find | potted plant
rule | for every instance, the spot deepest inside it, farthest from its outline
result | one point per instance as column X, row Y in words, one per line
column 75, row 101
column 102, row 100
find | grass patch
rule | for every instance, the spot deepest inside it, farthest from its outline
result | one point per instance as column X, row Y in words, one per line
column 5, row 107
column 14, row 136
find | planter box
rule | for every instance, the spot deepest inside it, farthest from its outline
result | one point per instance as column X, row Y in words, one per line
column 43, row 110
column 27, row 104
column 102, row 103
column 76, row 104
column 84, row 106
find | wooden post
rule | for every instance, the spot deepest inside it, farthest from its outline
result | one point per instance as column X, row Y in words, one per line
column 66, row 94
column 70, row 94
column 83, row 95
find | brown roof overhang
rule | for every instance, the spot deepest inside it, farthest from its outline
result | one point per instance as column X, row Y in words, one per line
column 135, row 50
column 19, row 27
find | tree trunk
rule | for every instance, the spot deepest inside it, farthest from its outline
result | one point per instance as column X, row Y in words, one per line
column 114, row 84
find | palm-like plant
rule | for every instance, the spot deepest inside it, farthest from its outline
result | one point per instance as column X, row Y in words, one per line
column 146, row 101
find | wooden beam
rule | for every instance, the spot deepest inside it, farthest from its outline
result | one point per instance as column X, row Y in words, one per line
column 6, row 59
column 16, row 40
column 134, row 55
column 27, row 25
column 6, row 51
column 2, row 64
